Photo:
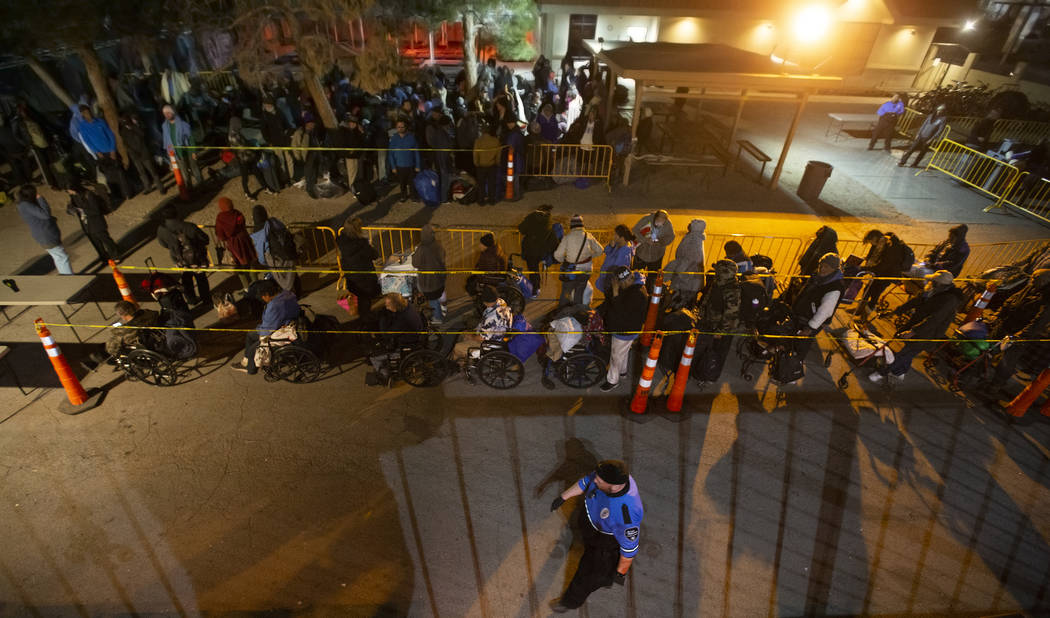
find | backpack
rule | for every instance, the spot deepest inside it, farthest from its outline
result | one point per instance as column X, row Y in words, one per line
column 908, row 259
column 188, row 251
column 426, row 184
column 282, row 243
column 786, row 367
column 179, row 343
column 363, row 191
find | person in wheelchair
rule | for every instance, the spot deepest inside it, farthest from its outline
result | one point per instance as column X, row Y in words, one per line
column 282, row 307
column 494, row 324
column 132, row 316
column 400, row 327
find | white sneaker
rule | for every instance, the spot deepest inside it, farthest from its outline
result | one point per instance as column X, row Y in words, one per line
column 878, row 378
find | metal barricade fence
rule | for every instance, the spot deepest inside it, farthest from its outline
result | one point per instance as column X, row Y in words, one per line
column 568, row 161
column 1031, row 197
column 987, row 174
column 462, row 246
column 1027, row 131
column 910, row 122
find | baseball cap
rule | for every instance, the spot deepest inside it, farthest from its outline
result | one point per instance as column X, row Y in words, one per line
column 941, row 277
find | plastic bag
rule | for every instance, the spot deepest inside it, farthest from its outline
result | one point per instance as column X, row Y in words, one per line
column 568, row 331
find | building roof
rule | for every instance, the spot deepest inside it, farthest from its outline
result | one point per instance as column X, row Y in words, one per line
column 704, row 63
column 932, row 9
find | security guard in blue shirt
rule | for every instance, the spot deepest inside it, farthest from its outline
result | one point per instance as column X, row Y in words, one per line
column 610, row 522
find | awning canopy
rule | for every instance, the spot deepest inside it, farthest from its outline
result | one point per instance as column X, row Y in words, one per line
column 704, row 65
column 708, row 71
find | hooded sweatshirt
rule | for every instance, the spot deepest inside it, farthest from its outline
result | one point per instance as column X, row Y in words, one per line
column 429, row 255
column 232, row 231
column 825, row 241
column 689, row 257
column 652, row 242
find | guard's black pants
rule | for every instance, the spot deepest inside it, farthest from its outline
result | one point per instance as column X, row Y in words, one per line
column 601, row 554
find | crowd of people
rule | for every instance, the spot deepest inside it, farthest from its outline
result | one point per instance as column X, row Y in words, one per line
column 736, row 295
column 431, row 122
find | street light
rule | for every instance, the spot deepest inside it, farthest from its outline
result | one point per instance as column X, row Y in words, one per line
column 812, row 23
column 970, row 24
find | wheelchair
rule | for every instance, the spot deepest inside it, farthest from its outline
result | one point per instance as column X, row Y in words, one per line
column 580, row 367
column 418, row 366
column 296, row 357
column 494, row 365
column 508, row 286
column 150, row 361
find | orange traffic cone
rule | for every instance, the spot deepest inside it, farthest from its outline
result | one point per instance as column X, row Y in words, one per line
column 510, row 174
column 982, row 302
column 180, row 182
column 645, row 383
column 1028, row 396
column 681, row 378
column 654, row 309
column 122, row 284
column 79, row 399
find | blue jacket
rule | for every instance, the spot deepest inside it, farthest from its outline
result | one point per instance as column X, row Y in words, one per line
column 889, row 107
column 614, row 256
column 183, row 134
column 96, row 136
column 619, row 515
column 261, row 239
column 403, row 158
column 281, row 310
column 42, row 225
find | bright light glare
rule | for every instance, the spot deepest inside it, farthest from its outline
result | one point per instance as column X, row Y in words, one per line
column 812, row 23
column 970, row 25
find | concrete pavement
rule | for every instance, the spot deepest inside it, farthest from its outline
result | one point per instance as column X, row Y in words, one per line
column 229, row 495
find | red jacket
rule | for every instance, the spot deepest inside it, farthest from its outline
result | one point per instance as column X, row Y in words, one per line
column 230, row 230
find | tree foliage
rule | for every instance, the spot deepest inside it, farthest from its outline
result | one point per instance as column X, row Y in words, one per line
column 504, row 23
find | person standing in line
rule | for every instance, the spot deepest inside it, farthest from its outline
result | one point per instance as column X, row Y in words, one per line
column 685, row 278
column 357, row 260
column 610, row 522
column 886, row 126
column 655, row 234
column 930, row 129
column 486, row 162
column 275, row 248
column 178, row 137
column 87, row 207
column 624, row 312
column 576, row 253
column 231, row 230
column 429, row 258
column 99, row 140
column 403, row 158
column 134, row 136
column 188, row 246
column 619, row 252
column 537, row 242
column 36, row 212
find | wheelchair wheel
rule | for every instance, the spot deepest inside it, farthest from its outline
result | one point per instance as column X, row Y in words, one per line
column 422, row 368
column 500, row 370
column 293, row 363
column 581, row 370
column 150, row 367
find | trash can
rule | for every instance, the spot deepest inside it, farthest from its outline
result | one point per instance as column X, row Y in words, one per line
column 817, row 173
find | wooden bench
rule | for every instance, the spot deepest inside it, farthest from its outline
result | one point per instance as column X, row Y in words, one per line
column 743, row 145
